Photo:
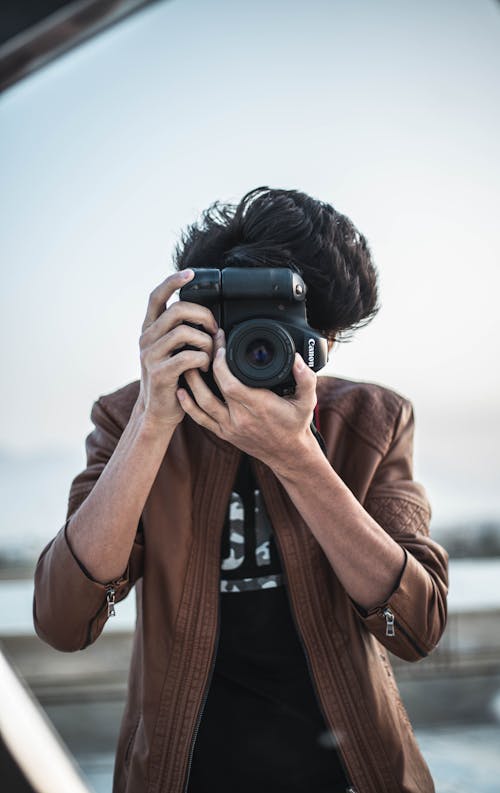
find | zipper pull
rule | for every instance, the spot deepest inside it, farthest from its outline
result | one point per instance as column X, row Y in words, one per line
column 389, row 622
column 110, row 598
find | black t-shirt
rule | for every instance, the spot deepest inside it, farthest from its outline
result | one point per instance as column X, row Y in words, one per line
column 261, row 728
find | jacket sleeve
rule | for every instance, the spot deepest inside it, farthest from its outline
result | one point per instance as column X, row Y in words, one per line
column 70, row 608
column 412, row 620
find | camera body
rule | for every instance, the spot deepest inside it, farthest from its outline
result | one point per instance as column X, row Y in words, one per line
column 262, row 311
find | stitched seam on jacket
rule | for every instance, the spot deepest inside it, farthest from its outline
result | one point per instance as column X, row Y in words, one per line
column 174, row 712
column 165, row 681
column 386, row 492
column 216, row 503
column 395, row 518
column 364, row 437
column 348, row 700
column 301, row 591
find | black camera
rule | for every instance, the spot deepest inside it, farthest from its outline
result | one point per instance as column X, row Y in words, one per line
column 262, row 311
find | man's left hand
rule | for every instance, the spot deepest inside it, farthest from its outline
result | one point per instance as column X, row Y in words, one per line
column 271, row 428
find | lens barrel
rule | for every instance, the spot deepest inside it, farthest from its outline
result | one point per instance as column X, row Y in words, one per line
column 260, row 353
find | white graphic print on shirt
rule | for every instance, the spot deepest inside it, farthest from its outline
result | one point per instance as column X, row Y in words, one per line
column 263, row 531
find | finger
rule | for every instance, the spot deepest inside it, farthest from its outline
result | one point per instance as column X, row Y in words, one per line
column 183, row 361
column 230, row 386
column 305, row 379
column 197, row 414
column 206, row 399
column 162, row 293
column 219, row 341
column 180, row 313
column 175, row 340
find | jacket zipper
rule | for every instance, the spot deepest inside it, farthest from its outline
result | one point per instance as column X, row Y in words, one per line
column 390, row 629
column 109, row 603
column 204, row 698
column 389, row 622
column 110, row 599
column 349, row 788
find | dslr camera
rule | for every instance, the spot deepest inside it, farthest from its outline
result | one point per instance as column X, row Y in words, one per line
column 262, row 311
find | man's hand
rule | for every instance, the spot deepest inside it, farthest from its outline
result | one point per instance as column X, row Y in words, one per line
column 259, row 422
column 164, row 332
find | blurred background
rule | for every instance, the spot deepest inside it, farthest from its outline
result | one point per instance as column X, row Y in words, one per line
column 389, row 110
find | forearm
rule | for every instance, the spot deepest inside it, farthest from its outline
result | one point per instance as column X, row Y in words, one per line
column 101, row 533
column 367, row 561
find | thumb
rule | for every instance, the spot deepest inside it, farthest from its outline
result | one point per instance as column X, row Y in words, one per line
column 305, row 379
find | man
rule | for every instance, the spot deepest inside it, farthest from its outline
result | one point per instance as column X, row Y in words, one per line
column 271, row 574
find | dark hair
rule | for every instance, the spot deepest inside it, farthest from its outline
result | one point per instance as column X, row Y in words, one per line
column 287, row 228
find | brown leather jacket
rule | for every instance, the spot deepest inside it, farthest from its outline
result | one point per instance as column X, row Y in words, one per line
column 175, row 567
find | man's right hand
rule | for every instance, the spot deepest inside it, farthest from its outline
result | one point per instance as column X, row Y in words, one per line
column 163, row 332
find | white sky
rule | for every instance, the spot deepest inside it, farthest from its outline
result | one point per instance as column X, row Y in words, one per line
column 388, row 110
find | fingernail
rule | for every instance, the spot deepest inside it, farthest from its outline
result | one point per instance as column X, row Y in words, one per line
column 181, row 395
column 186, row 274
column 221, row 352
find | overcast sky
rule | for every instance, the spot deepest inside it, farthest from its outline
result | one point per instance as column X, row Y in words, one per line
column 389, row 110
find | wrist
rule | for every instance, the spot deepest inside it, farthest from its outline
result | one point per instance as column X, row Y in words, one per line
column 299, row 456
column 151, row 426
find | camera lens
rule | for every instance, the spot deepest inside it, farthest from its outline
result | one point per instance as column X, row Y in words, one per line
column 260, row 353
